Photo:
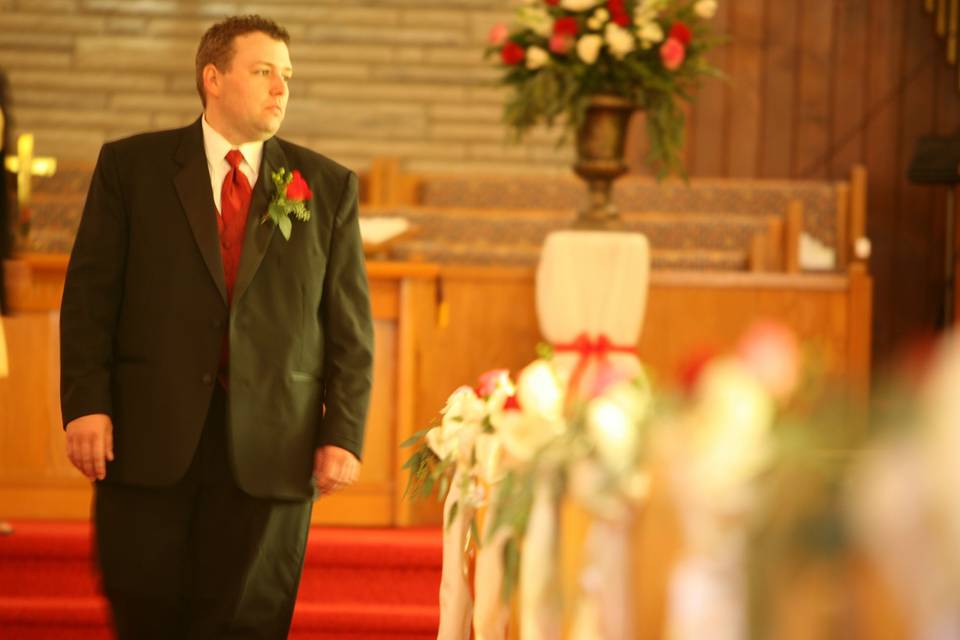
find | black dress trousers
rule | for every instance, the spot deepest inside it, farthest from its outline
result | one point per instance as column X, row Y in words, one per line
column 201, row 559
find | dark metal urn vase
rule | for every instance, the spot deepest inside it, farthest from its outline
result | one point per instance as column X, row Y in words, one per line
column 600, row 144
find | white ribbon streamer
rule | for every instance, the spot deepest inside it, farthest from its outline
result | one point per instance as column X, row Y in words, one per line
column 707, row 599
column 491, row 615
column 456, row 605
column 604, row 607
column 540, row 601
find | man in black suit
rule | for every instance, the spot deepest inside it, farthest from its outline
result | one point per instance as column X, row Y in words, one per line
column 216, row 362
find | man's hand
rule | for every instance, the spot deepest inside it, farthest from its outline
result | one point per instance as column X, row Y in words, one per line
column 90, row 444
column 334, row 468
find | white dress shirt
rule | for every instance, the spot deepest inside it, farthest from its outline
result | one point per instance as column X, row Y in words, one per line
column 216, row 148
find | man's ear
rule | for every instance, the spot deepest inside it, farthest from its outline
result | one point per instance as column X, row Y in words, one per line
column 211, row 80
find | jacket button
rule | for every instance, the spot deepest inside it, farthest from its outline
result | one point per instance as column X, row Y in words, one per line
column 207, row 378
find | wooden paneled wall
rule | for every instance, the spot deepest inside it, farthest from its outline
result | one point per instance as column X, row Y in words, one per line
column 816, row 86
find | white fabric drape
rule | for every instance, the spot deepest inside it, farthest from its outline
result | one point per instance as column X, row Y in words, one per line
column 605, row 599
column 707, row 599
column 491, row 614
column 593, row 282
column 540, row 598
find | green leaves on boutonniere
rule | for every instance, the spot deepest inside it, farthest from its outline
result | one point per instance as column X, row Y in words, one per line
column 289, row 199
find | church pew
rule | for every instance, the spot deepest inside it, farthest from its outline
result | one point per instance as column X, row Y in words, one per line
column 57, row 204
column 514, row 236
column 833, row 213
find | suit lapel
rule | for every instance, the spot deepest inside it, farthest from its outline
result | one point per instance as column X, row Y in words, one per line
column 192, row 182
column 257, row 236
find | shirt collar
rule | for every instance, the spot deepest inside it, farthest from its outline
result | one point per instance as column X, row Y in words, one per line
column 216, row 147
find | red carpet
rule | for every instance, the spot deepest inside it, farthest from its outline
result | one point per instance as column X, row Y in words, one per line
column 358, row 584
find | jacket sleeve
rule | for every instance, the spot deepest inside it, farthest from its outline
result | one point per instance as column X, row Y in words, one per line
column 348, row 330
column 92, row 294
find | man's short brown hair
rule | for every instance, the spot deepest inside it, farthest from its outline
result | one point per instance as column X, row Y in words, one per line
column 216, row 45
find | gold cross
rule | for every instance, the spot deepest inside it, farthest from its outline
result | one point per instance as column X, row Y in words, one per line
column 25, row 165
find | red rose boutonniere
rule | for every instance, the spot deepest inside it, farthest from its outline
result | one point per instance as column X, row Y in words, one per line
column 290, row 198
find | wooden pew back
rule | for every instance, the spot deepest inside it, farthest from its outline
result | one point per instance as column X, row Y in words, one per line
column 831, row 212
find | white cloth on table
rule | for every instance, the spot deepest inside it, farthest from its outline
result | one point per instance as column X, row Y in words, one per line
column 593, row 282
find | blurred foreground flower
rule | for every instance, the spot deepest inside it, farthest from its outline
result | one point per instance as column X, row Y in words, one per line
column 905, row 502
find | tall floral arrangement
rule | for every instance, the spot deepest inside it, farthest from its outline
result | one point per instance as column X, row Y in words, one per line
column 560, row 53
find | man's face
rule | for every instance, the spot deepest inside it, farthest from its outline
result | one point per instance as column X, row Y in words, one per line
column 251, row 96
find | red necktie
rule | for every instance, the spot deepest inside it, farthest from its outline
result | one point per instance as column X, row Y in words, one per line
column 232, row 222
column 234, row 205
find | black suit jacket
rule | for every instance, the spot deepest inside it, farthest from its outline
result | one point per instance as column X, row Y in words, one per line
column 144, row 312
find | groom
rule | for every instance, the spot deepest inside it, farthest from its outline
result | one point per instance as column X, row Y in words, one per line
column 215, row 373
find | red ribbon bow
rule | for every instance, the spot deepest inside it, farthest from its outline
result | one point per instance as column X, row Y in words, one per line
column 588, row 348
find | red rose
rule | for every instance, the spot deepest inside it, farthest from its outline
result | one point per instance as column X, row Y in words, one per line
column 772, row 352
column 512, row 404
column 512, row 53
column 691, row 369
column 618, row 12
column 488, row 381
column 672, row 53
column 298, row 189
column 553, row 3
column 498, row 34
column 561, row 45
column 565, row 27
column 681, row 32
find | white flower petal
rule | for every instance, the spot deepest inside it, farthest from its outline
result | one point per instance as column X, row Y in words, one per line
column 588, row 47
column 619, row 40
column 705, row 9
column 579, row 5
column 537, row 58
column 539, row 391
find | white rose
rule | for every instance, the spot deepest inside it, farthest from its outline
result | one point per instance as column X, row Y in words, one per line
column 619, row 40
column 599, row 18
column 735, row 400
column 439, row 444
column 647, row 11
column 537, row 20
column 536, row 58
column 613, row 423
column 524, row 434
column 650, row 33
column 539, row 391
column 464, row 406
column 453, row 438
column 579, row 5
column 588, row 47
column 731, row 423
column 499, row 395
column 705, row 9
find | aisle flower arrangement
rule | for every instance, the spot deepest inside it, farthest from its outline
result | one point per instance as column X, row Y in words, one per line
column 502, row 434
column 778, row 484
